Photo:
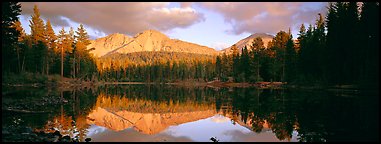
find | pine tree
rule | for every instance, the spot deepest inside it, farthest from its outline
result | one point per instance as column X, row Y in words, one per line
column 245, row 63
column 279, row 46
column 301, row 44
column 342, row 42
column 81, row 53
column 63, row 45
column 40, row 51
column 20, row 47
column 226, row 66
column 37, row 26
column 235, row 61
column 369, row 37
column 290, row 68
column 218, row 67
column 10, row 35
column 332, row 43
column 257, row 53
column 71, row 58
column 51, row 37
column 51, row 44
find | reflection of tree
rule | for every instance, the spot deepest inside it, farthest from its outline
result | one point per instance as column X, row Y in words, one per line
column 257, row 123
column 310, row 117
column 254, row 108
column 71, row 120
column 82, row 126
column 117, row 103
column 62, row 123
column 282, row 125
column 309, row 113
column 317, row 116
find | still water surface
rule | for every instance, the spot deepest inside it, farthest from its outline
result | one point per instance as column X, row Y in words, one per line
column 167, row 113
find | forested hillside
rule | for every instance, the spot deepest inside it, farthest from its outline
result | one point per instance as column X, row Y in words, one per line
column 341, row 48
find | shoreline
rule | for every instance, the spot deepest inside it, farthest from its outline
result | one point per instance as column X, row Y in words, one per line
column 55, row 81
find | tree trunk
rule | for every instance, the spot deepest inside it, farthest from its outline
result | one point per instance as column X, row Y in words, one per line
column 22, row 64
column 257, row 69
column 61, row 62
column 74, row 66
column 47, row 65
column 18, row 58
column 78, row 66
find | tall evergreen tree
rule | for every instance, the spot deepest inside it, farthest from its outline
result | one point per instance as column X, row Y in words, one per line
column 244, row 64
column 257, row 57
column 50, row 38
column 301, row 44
column 332, row 42
column 20, row 47
column 353, row 42
column 279, row 46
column 235, row 61
column 64, row 45
column 218, row 67
column 9, row 13
column 37, row 26
column 39, row 52
column 369, row 25
column 290, row 60
column 81, row 52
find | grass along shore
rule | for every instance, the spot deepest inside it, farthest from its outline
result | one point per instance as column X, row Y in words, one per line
column 41, row 80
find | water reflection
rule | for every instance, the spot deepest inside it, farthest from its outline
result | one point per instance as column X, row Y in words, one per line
column 166, row 113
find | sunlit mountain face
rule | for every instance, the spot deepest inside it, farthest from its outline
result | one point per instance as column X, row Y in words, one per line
column 146, row 41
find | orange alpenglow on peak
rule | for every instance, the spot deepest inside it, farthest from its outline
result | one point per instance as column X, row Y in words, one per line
column 149, row 40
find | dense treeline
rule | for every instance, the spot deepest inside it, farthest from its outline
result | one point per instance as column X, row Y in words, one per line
column 43, row 51
column 156, row 67
column 259, row 63
column 342, row 48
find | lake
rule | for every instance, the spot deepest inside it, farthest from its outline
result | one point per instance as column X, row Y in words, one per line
column 168, row 113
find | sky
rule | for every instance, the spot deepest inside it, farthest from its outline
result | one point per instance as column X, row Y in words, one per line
column 214, row 24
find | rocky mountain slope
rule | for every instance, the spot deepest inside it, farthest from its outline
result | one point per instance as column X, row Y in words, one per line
column 149, row 40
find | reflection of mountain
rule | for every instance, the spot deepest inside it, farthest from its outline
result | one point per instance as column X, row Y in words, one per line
column 148, row 123
column 147, row 116
column 248, row 123
column 153, row 116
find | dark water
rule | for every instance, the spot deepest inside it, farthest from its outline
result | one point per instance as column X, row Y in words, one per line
column 167, row 113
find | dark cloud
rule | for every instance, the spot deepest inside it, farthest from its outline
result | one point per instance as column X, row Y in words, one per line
column 127, row 17
column 266, row 17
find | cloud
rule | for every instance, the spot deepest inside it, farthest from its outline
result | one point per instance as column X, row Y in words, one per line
column 265, row 17
column 186, row 4
column 170, row 18
column 219, row 45
column 127, row 17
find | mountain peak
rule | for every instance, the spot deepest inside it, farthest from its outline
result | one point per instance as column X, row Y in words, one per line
column 115, row 35
column 148, row 40
column 108, row 43
column 262, row 35
column 249, row 40
column 151, row 33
